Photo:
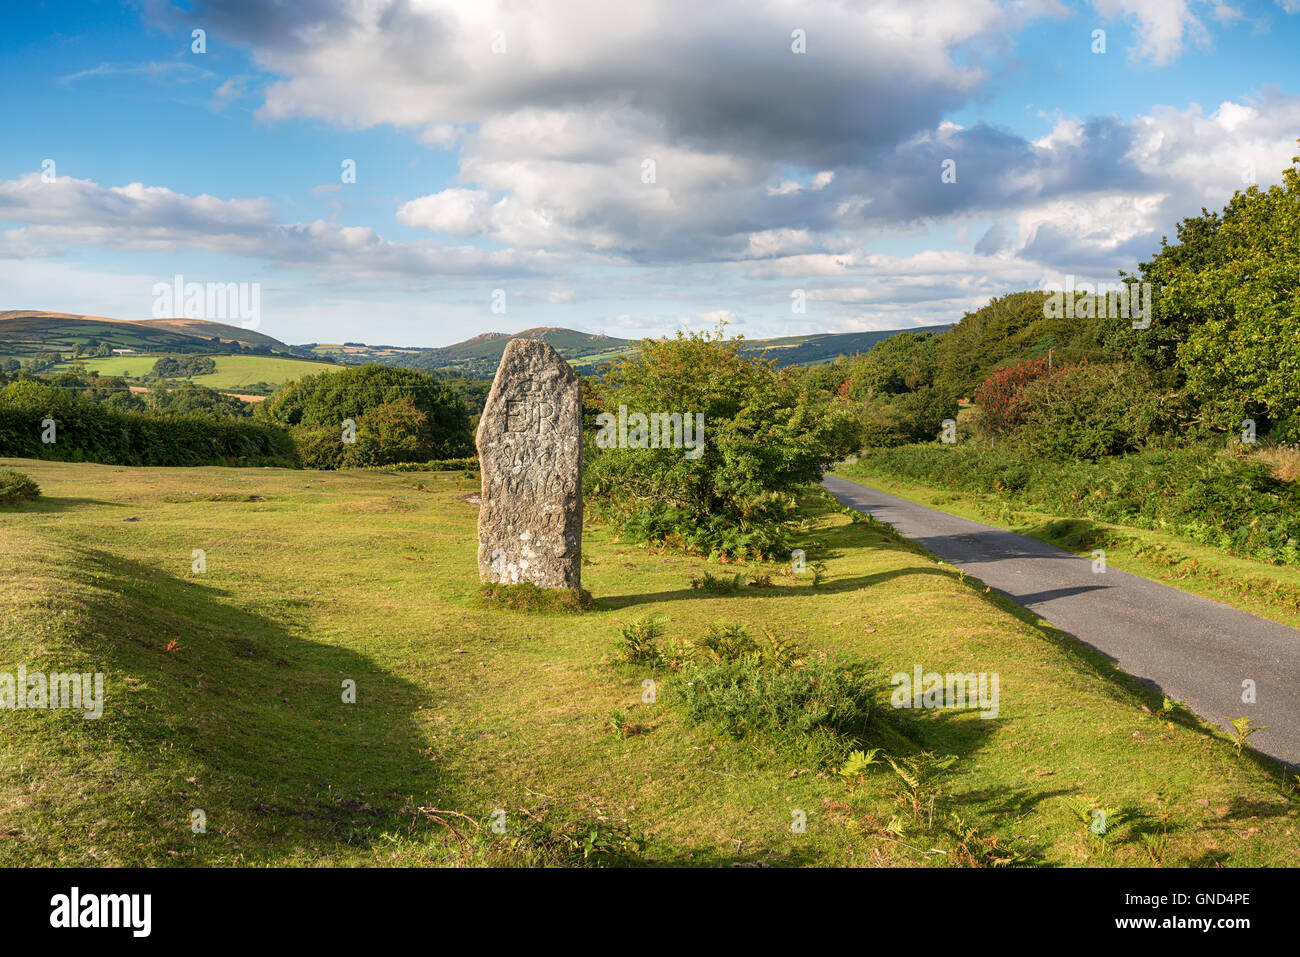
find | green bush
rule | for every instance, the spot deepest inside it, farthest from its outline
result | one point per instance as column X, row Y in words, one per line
column 16, row 487
column 638, row 642
column 393, row 432
column 401, row 416
column 186, row 398
column 86, row 432
column 920, row 414
column 899, row 364
column 171, row 368
column 1089, row 411
column 763, row 439
column 830, row 707
column 433, row 465
column 1202, row 494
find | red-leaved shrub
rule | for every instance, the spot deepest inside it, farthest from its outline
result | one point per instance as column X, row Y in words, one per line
column 999, row 396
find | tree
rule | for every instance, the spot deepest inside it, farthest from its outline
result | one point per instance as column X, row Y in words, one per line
column 188, row 398
column 1227, row 318
column 325, row 400
column 763, row 437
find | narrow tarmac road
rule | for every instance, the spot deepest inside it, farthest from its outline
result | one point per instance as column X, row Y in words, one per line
column 1194, row 649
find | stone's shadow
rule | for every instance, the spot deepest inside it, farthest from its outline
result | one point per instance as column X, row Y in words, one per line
column 284, row 762
column 828, row 587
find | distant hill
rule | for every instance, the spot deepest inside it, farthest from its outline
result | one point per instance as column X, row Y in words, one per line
column 479, row 356
column 826, row 346
column 26, row 333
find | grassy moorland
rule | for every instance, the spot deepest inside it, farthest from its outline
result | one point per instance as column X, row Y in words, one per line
column 223, row 693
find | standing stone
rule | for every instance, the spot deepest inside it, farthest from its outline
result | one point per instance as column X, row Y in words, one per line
column 530, row 452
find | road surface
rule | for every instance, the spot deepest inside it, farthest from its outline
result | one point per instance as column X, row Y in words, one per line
column 1193, row 649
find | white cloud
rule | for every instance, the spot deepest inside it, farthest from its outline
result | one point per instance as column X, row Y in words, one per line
column 1165, row 28
column 460, row 212
column 77, row 212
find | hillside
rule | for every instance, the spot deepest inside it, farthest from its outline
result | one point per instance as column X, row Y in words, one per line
column 233, row 372
column 27, row 333
column 480, row 355
column 825, row 347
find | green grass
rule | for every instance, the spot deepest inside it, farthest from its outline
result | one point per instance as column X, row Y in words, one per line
column 235, row 371
column 130, row 367
column 232, row 371
column 1270, row 591
column 223, row 693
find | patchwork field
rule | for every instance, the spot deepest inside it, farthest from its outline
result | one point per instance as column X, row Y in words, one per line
column 232, row 372
column 224, row 693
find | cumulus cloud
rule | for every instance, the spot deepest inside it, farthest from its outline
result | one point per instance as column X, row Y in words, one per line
column 1165, row 29
column 461, row 212
column 690, row 140
column 723, row 72
column 79, row 212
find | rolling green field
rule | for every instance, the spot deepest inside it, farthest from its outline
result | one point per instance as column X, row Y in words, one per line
column 223, row 694
column 232, row 371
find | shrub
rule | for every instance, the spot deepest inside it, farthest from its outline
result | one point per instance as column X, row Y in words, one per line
column 829, row 707
column 740, row 688
column 401, row 415
column 1208, row 496
column 920, row 414
column 170, row 368
column 1088, row 411
column 86, row 432
column 763, row 438
column 190, row 399
column 393, row 432
column 723, row 643
column 718, row 586
column 16, row 487
column 638, row 642
column 999, row 397
column 434, row 465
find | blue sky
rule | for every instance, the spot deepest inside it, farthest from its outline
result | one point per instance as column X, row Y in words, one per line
column 504, row 146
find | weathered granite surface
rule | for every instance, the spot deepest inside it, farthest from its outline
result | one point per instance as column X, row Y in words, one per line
column 530, row 451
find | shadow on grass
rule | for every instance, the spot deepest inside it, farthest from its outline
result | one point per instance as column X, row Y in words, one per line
column 827, row 587
column 56, row 503
column 239, row 716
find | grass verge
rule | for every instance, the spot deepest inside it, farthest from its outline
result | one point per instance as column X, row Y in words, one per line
column 495, row 736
